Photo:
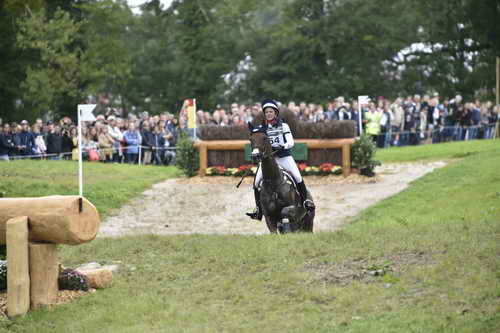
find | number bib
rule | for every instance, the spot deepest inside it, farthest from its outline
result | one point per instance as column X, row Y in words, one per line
column 275, row 136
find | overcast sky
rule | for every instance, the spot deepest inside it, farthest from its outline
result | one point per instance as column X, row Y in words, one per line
column 134, row 4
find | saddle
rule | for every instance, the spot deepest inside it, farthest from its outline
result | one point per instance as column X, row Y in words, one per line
column 287, row 177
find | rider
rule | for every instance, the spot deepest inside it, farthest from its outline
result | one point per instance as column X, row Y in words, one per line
column 281, row 139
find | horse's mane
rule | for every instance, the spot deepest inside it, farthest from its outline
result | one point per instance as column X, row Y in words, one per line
column 285, row 114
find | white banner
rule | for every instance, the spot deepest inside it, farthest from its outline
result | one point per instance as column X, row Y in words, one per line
column 85, row 112
column 363, row 99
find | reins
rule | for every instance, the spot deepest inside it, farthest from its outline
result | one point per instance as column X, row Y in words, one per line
column 247, row 171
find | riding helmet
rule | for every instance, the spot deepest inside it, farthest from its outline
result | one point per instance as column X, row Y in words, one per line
column 270, row 103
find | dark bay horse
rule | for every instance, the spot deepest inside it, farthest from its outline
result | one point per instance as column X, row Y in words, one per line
column 281, row 203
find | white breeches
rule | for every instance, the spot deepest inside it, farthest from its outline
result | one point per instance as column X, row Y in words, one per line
column 287, row 163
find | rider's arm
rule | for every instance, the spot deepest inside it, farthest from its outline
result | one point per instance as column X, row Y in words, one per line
column 288, row 137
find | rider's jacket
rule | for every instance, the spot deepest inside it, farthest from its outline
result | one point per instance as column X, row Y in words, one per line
column 280, row 137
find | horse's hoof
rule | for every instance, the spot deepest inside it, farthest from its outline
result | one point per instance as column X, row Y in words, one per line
column 255, row 216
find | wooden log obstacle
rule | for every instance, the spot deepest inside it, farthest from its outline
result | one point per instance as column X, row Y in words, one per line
column 31, row 228
column 239, row 145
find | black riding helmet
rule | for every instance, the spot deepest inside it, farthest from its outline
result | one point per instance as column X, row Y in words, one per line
column 270, row 103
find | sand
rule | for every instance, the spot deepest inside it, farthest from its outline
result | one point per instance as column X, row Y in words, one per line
column 213, row 205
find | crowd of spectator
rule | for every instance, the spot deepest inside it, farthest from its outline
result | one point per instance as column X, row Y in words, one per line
column 403, row 121
column 152, row 139
column 148, row 139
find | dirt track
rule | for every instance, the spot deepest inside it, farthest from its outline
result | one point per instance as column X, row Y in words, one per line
column 212, row 205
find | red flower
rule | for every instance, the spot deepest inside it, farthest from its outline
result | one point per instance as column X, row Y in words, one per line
column 220, row 170
column 302, row 166
column 245, row 167
column 326, row 167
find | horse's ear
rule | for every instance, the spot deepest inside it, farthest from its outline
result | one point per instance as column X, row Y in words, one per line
column 250, row 126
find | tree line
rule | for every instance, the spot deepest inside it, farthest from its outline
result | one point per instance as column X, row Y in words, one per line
column 56, row 53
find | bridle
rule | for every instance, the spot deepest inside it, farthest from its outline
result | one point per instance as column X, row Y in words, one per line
column 256, row 154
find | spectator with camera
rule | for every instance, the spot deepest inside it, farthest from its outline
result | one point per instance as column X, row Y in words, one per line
column 24, row 140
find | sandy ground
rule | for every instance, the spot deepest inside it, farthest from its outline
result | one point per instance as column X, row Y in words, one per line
column 213, row 205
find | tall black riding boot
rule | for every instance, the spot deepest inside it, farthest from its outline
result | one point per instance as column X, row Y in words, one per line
column 257, row 213
column 307, row 202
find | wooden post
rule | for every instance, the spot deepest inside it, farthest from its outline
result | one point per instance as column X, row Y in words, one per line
column 346, row 160
column 44, row 271
column 18, row 277
column 203, row 159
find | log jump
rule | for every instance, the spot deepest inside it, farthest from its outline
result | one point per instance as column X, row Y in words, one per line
column 31, row 228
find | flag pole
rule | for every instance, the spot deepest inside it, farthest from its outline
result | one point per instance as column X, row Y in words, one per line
column 88, row 116
column 80, row 163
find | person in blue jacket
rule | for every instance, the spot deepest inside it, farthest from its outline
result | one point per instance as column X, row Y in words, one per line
column 133, row 140
column 25, row 140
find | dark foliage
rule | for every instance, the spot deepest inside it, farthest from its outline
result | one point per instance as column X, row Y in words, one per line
column 362, row 152
column 3, row 275
column 187, row 156
column 70, row 279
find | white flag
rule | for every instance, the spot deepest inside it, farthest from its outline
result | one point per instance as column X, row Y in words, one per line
column 85, row 111
column 363, row 100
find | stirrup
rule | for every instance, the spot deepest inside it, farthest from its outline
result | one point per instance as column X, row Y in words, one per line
column 256, row 214
column 309, row 204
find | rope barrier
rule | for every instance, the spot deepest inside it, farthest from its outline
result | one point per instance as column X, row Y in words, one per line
column 97, row 149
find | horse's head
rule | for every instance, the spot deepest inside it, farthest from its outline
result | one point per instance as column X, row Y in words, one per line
column 259, row 142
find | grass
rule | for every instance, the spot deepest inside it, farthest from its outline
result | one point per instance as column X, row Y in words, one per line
column 443, row 151
column 425, row 260
column 107, row 186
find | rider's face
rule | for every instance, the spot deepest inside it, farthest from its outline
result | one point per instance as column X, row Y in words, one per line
column 270, row 114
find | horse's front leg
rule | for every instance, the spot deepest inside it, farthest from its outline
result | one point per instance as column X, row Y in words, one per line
column 272, row 225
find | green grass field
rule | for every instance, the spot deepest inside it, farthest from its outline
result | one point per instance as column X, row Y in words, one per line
column 107, row 186
column 424, row 260
column 443, row 151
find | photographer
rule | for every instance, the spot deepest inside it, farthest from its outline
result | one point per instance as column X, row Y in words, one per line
column 24, row 140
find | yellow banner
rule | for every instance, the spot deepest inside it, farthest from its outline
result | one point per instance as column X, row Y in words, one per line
column 191, row 112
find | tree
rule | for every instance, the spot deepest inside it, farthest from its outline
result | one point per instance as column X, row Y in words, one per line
column 58, row 73
column 13, row 61
column 105, row 39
